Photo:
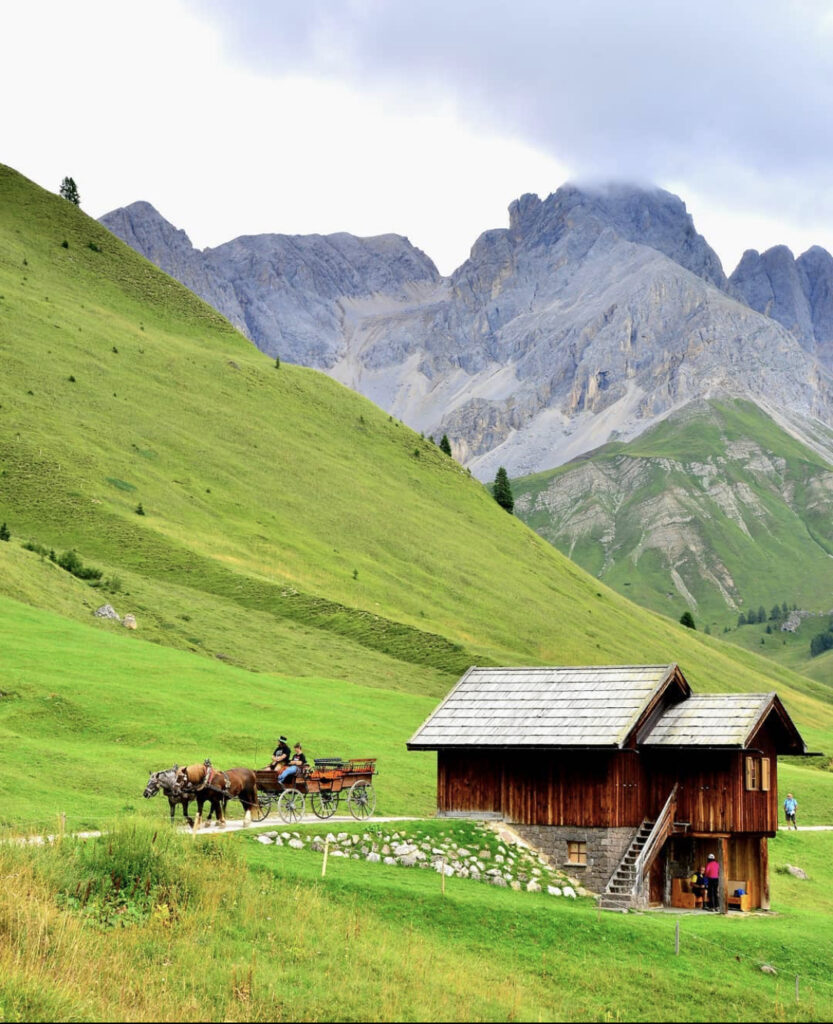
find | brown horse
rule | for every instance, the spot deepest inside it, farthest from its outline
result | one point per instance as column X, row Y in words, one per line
column 239, row 783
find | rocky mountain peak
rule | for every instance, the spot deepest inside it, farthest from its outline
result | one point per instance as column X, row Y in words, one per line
column 644, row 216
column 798, row 293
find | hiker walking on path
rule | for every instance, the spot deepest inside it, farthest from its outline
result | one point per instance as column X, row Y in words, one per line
column 790, row 807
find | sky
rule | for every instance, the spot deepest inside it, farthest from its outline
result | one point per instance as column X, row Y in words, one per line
column 425, row 119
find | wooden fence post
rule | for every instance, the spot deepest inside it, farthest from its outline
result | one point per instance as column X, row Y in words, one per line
column 324, row 863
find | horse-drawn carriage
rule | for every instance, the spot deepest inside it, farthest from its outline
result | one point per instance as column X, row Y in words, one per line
column 324, row 785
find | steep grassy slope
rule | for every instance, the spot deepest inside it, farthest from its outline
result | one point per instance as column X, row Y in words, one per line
column 290, row 527
column 717, row 510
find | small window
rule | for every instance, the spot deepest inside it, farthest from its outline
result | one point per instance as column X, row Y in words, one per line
column 765, row 779
column 576, row 852
column 753, row 775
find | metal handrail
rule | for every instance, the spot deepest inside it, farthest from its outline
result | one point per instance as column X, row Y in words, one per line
column 659, row 833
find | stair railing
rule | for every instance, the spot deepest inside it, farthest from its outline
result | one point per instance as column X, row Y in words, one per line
column 662, row 829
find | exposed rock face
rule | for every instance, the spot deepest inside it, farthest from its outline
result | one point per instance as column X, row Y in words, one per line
column 798, row 293
column 593, row 315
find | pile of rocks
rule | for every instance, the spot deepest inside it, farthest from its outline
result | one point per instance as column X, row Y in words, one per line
column 497, row 859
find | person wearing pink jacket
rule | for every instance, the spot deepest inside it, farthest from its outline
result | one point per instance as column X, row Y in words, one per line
column 712, row 874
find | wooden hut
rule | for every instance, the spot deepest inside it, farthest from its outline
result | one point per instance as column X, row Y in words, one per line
column 621, row 774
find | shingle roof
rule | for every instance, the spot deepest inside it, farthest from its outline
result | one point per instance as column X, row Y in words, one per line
column 544, row 707
column 709, row 720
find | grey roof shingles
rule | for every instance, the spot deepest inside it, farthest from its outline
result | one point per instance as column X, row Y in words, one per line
column 710, row 720
column 585, row 706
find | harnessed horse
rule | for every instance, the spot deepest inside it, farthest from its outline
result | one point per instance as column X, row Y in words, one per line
column 166, row 781
column 239, row 783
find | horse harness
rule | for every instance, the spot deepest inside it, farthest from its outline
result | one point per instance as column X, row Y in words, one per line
column 209, row 778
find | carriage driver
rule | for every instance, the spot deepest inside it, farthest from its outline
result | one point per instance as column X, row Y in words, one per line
column 299, row 759
column 281, row 754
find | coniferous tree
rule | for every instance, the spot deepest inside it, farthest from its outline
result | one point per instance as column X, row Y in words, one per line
column 741, row 619
column 5, row 534
column 687, row 620
column 502, row 491
column 69, row 190
column 762, row 614
column 775, row 614
column 445, row 445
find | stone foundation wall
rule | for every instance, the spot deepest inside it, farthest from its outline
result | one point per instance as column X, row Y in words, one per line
column 605, row 849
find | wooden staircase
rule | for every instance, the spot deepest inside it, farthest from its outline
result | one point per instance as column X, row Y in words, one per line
column 626, row 887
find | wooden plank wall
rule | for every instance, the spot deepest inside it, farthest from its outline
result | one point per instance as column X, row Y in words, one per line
column 584, row 788
column 609, row 789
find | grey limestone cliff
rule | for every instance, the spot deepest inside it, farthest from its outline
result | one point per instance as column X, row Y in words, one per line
column 594, row 314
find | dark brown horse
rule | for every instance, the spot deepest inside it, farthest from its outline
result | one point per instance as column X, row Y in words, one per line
column 235, row 783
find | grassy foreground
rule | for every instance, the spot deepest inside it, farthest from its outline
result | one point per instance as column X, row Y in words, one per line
column 155, row 926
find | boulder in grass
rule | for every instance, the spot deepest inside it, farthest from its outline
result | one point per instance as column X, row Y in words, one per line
column 498, row 880
column 296, row 844
column 408, row 860
column 568, row 890
column 533, row 886
column 107, row 611
column 129, row 622
column 553, row 890
column 796, row 872
column 265, row 840
column 392, row 861
column 374, row 858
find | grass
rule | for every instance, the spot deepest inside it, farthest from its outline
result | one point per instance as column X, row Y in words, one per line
column 254, row 933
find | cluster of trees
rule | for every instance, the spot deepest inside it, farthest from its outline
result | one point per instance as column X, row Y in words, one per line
column 69, row 561
column 822, row 642
column 777, row 613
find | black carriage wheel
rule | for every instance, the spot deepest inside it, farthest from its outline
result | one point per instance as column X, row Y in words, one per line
column 361, row 800
column 264, row 806
column 291, row 806
column 324, row 804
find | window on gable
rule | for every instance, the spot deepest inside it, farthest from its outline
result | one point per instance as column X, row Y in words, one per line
column 576, row 852
column 753, row 773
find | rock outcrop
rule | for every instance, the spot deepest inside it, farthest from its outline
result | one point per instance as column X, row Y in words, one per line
column 798, row 293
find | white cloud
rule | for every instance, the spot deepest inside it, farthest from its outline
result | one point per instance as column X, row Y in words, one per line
column 424, row 119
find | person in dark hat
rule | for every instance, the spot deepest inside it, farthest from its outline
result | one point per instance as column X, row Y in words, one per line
column 712, row 874
column 280, row 755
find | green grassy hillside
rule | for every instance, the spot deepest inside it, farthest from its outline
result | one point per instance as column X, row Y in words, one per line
column 291, row 531
column 716, row 510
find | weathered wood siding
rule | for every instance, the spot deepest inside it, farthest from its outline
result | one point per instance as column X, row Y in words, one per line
column 584, row 788
column 610, row 789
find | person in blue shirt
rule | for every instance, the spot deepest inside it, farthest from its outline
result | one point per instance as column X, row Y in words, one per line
column 790, row 807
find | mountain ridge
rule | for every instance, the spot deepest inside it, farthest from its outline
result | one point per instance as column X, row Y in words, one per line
column 596, row 313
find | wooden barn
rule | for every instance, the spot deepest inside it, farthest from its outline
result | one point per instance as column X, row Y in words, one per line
column 621, row 774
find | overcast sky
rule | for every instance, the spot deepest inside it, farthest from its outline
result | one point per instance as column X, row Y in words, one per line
column 425, row 118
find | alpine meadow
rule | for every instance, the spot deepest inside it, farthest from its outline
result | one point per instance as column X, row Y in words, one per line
column 300, row 562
